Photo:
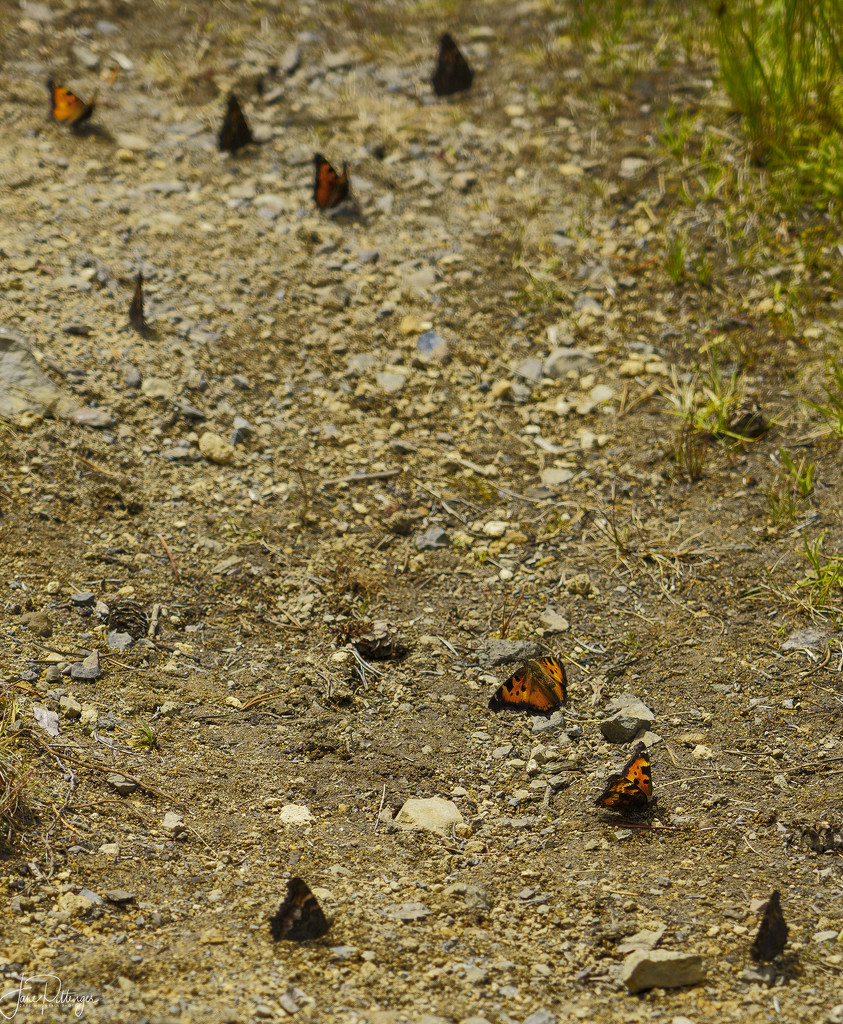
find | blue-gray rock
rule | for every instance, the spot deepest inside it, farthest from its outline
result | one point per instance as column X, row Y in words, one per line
column 493, row 652
column 120, row 641
column 85, row 597
column 431, row 347
column 242, row 429
column 561, row 360
column 541, row 1017
column 432, row 538
column 89, row 668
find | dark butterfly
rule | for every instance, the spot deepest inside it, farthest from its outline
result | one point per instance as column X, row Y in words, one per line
column 772, row 932
column 630, row 789
column 329, row 188
column 537, row 687
column 235, row 131
column 66, row 107
column 136, row 317
column 452, row 72
column 299, row 917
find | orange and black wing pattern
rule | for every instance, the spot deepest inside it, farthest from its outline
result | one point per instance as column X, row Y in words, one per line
column 235, row 131
column 452, row 73
column 772, row 932
column 538, row 687
column 299, row 917
column 136, row 315
column 631, row 789
column 329, row 188
column 66, row 107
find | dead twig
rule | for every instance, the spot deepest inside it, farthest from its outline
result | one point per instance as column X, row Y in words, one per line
column 170, row 556
column 378, row 818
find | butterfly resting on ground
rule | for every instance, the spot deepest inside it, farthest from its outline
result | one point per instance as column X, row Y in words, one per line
column 537, row 687
column 136, row 316
column 235, row 131
column 772, row 932
column 329, row 188
column 630, row 789
column 452, row 73
column 66, row 107
column 299, row 917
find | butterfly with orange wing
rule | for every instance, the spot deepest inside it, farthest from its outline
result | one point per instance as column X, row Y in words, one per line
column 66, row 107
column 329, row 188
column 772, row 932
column 235, row 131
column 538, row 688
column 452, row 73
column 630, row 789
column 299, row 917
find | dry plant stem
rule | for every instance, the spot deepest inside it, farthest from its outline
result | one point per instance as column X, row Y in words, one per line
column 170, row 556
column 378, row 817
column 352, row 478
column 103, row 769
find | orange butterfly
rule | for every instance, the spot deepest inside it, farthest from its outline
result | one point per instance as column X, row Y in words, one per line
column 630, row 789
column 66, row 107
column 235, row 131
column 452, row 73
column 329, row 188
column 299, row 917
column 537, row 687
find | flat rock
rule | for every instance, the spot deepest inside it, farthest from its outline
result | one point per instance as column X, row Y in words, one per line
column 48, row 720
column 390, row 381
column 157, row 387
column 647, row 938
column 124, row 786
column 433, row 815
column 38, row 623
column 432, row 538
column 23, row 386
column 633, row 716
column 563, row 360
column 661, row 968
column 295, row 814
column 431, row 348
column 88, row 668
column 173, row 824
column 494, row 652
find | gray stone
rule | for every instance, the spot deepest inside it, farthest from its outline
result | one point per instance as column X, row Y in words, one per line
column 120, row 641
column 432, row 815
column 431, row 347
column 89, row 668
column 541, row 1017
column 48, row 720
column 419, row 280
column 494, row 652
column 123, row 785
column 390, row 381
column 157, row 387
column 562, row 360
column 531, row 368
column 647, row 938
column 627, row 722
column 83, row 598
column 119, row 895
column 359, row 362
column 173, row 824
column 812, row 639
column 242, row 429
column 661, row 968
column 548, row 726
column 407, row 912
column 23, row 386
column 432, row 538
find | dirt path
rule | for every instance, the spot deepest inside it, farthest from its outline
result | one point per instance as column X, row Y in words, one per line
column 451, row 411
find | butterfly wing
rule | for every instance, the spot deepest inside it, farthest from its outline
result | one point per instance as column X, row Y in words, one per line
column 537, row 688
column 631, row 789
column 235, row 131
column 136, row 317
column 299, row 917
column 452, row 73
column 66, row 107
column 772, row 932
column 329, row 188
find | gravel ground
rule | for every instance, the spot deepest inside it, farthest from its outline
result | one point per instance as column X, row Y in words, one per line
column 263, row 576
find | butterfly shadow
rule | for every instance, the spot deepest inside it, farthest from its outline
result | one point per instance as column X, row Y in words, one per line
column 88, row 130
